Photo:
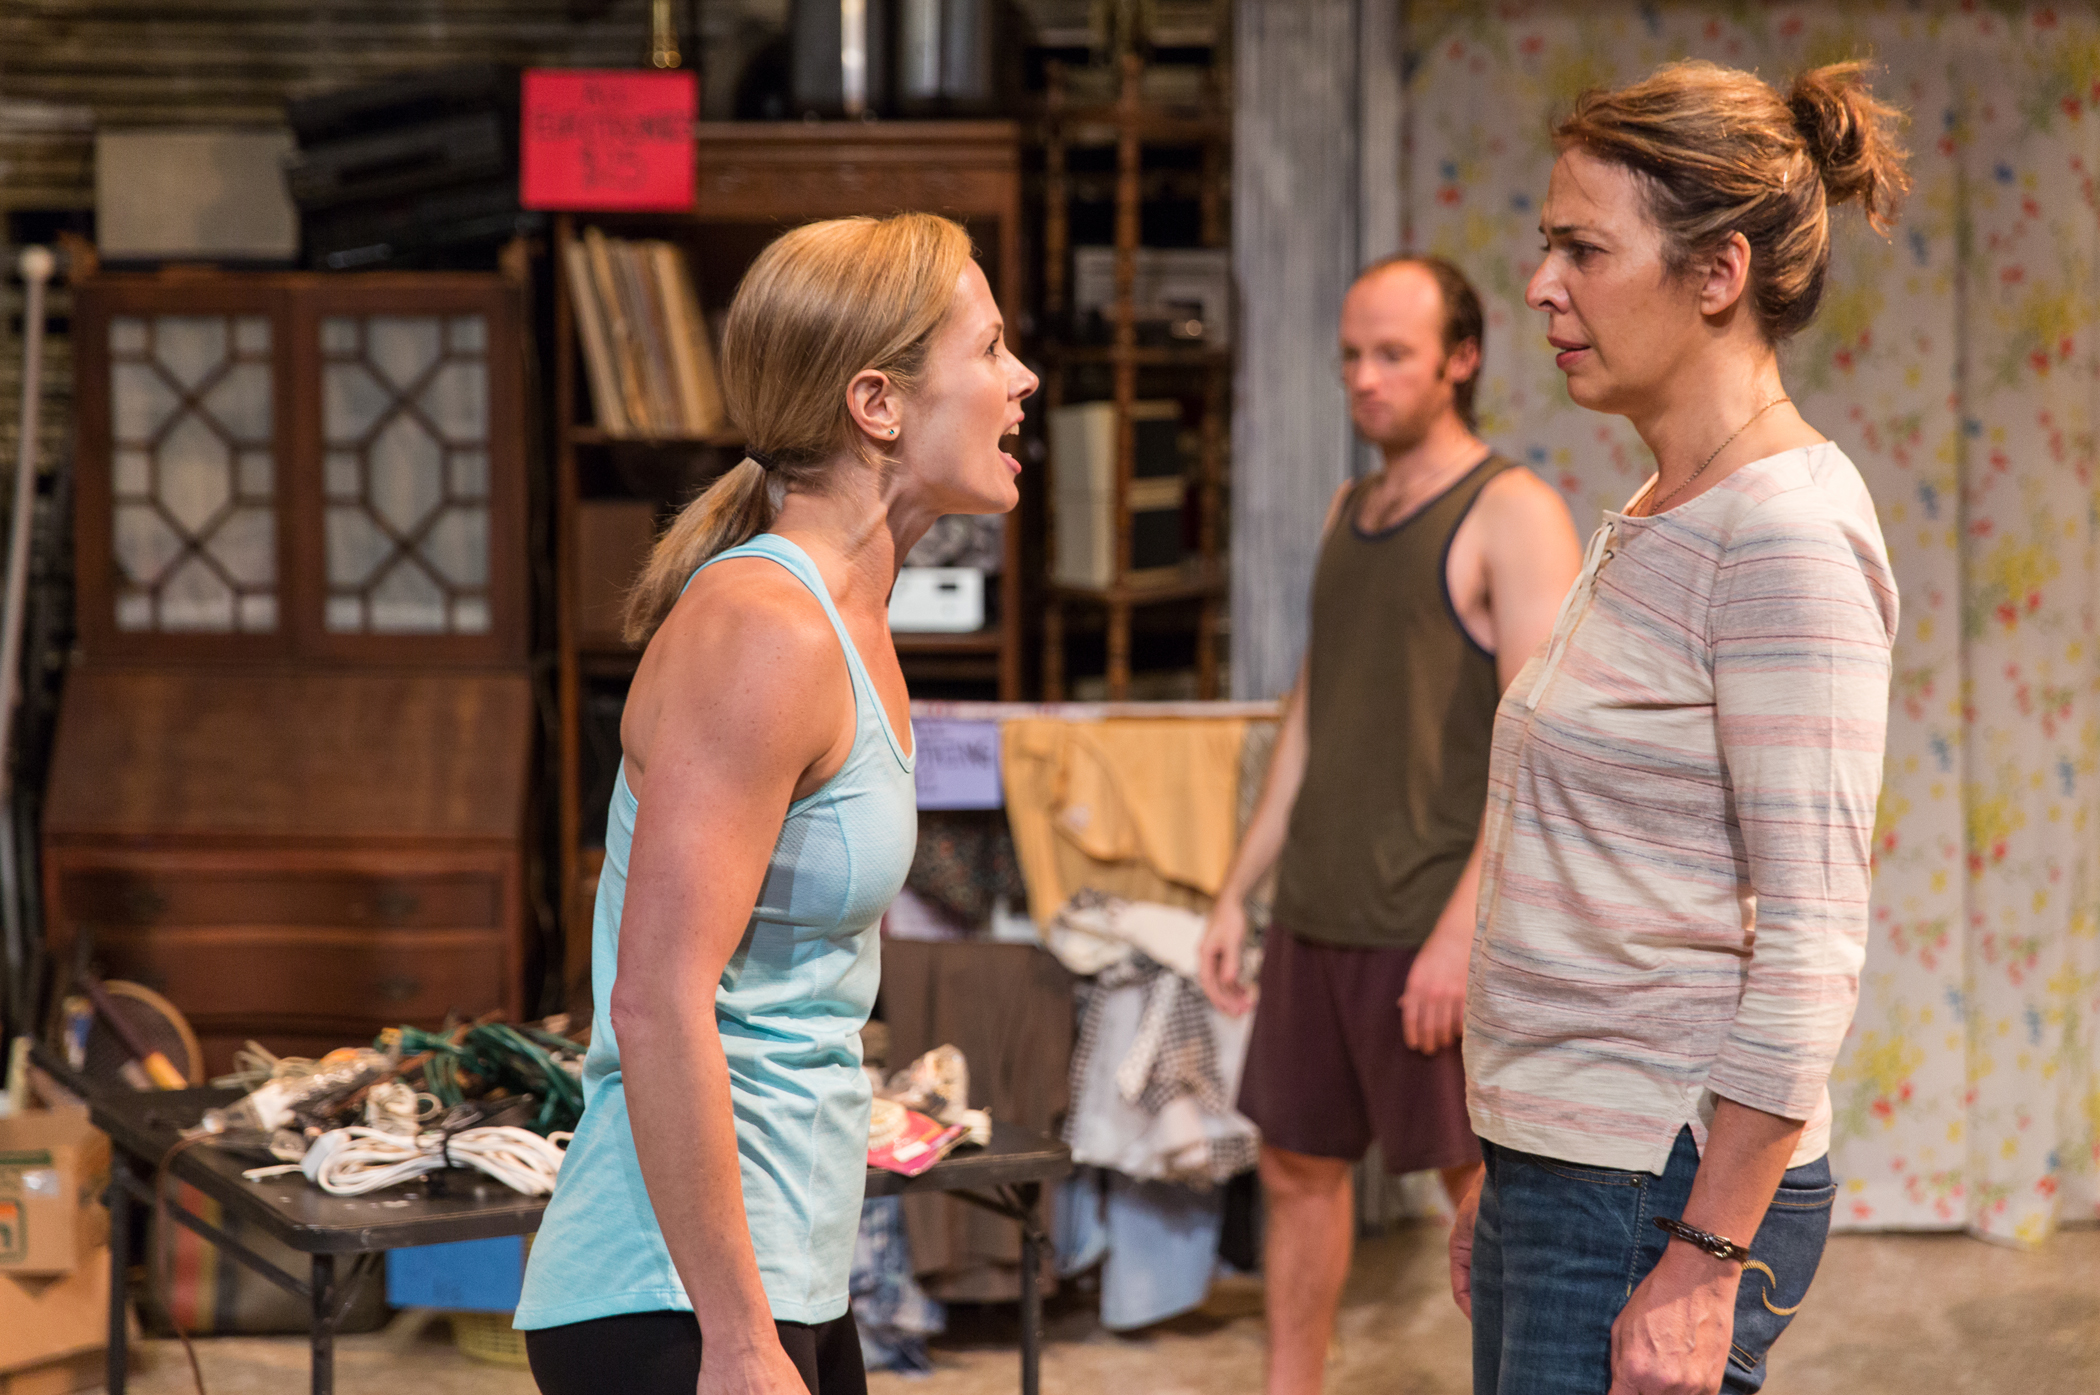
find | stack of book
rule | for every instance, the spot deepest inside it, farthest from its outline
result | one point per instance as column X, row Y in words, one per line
column 645, row 344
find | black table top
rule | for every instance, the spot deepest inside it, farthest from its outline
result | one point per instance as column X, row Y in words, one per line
column 466, row 1205
column 1014, row 1156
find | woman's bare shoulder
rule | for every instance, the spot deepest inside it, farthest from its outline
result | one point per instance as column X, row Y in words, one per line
column 747, row 643
column 746, row 608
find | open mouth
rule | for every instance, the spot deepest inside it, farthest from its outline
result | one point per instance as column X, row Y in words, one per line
column 1012, row 434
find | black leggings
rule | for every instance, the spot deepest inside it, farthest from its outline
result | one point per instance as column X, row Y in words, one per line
column 659, row 1354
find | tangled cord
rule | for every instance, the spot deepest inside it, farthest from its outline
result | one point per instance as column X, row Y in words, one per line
column 358, row 1159
column 393, row 1107
column 887, row 1121
column 518, row 1060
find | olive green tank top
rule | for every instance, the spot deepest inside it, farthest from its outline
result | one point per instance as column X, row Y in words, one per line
column 1400, row 709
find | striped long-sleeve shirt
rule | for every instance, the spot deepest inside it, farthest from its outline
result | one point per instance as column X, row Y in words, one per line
column 1680, row 810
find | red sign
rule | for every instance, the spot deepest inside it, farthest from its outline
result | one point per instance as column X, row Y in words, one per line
column 607, row 139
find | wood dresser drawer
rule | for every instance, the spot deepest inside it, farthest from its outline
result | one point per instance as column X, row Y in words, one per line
column 114, row 898
column 311, row 979
column 297, row 947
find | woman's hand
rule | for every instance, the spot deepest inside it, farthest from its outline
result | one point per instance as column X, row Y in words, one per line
column 1462, row 1248
column 760, row 1369
column 1672, row 1336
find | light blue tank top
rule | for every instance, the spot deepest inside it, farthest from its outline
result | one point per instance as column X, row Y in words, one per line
column 790, row 1007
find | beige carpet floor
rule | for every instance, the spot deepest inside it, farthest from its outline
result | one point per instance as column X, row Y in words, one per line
column 1900, row 1315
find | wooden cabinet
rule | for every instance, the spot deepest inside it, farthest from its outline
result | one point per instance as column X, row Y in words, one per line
column 290, row 786
column 329, row 944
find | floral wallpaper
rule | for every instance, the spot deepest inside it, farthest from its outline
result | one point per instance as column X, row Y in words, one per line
column 1958, row 364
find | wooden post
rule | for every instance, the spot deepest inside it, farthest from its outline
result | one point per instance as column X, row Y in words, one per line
column 1118, row 645
column 1210, row 482
column 575, row 927
column 1129, row 195
column 1054, row 651
column 1057, row 215
column 1056, row 209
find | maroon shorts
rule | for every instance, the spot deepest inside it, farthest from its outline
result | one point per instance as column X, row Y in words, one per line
column 1328, row 1070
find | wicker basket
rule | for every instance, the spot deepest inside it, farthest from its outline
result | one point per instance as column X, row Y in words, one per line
column 489, row 1337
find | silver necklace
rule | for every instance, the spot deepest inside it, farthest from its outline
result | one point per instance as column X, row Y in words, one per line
column 1656, row 507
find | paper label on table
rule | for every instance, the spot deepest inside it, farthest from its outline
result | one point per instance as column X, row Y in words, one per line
column 958, row 764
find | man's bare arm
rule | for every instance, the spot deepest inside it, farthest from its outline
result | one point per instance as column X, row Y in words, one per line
column 1530, row 556
column 1218, row 957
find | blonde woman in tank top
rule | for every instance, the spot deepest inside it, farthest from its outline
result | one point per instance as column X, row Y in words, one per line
column 1681, row 793
column 702, row 1232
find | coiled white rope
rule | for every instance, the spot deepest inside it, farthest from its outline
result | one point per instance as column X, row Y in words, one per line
column 887, row 1121
column 355, row 1160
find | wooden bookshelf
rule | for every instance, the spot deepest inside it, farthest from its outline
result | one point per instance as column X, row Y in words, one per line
column 753, row 181
column 1135, row 127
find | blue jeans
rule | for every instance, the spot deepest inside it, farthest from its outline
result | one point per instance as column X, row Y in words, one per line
column 1559, row 1248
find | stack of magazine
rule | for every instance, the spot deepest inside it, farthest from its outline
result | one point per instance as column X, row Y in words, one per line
column 645, row 344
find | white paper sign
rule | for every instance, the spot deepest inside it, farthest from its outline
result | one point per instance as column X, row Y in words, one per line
column 958, row 764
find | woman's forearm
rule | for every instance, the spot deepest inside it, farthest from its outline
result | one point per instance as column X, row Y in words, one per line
column 1747, row 1151
column 678, row 1105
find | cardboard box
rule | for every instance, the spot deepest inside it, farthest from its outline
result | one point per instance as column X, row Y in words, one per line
column 49, row 1320
column 54, row 1165
column 194, row 192
column 68, row 1375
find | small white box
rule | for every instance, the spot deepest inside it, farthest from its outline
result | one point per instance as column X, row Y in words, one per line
column 1170, row 282
column 945, row 600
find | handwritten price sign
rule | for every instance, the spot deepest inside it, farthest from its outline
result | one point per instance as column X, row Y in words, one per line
column 607, row 139
column 958, row 764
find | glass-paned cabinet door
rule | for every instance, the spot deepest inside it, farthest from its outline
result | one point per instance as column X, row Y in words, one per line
column 290, row 468
column 405, row 444
column 193, row 474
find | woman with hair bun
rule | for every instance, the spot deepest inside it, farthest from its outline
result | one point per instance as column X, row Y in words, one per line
column 1674, row 903
column 763, row 817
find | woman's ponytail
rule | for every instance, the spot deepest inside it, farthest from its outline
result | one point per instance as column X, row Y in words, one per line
column 733, row 510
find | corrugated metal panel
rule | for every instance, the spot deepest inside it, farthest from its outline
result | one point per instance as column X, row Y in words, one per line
column 1294, row 250
column 233, row 62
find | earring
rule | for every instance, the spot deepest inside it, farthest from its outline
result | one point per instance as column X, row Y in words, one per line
column 893, row 431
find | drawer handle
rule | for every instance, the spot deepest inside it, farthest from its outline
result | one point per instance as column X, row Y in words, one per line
column 400, row 989
column 395, row 904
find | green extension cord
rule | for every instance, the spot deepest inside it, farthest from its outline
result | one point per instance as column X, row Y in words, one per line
column 520, row 1062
